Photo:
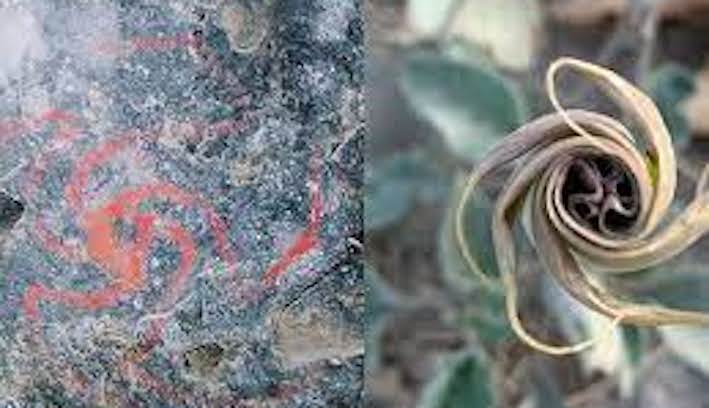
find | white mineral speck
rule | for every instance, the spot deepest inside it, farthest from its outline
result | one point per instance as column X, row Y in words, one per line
column 138, row 303
column 155, row 262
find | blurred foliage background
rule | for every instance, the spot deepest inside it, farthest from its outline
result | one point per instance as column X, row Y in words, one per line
column 447, row 79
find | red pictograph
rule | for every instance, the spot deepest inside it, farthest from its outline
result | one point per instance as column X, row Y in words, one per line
column 141, row 44
column 306, row 241
column 123, row 259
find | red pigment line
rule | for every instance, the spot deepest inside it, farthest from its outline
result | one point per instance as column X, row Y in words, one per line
column 31, row 299
column 125, row 268
column 53, row 243
column 103, row 153
column 64, row 137
column 91, row 160
column 99, row 229
column 177, row 285
column 133, row 276
column 35, row 176
column 188, row 254
column 14, row 128
column 93, row 301
column 66, row 134
column 223, row 127
column 184, row 40
column 166, row 392
column 156, row 330
column 304, row 242
column 58, row 115
column 131, row 199
column 101, row 245
column 123, row 48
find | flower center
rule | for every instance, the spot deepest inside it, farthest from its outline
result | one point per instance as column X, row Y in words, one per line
column 600, row 193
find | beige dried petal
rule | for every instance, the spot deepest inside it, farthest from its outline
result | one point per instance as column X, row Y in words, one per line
column 594, row 202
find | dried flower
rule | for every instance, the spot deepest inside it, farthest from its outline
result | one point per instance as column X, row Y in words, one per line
column 591, row 198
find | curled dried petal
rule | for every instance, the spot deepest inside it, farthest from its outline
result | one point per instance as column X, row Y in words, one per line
column 593, row 203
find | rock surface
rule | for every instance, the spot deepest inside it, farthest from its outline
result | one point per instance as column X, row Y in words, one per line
column 179, row 203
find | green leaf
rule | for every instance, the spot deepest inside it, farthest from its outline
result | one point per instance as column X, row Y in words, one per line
column 669, row 85
column 486, row 317
column 381, row 298
column 463, row 382
column 387, row 203
column 395, row 184
column 468, row 103
column 507, row 29
column 426, row 16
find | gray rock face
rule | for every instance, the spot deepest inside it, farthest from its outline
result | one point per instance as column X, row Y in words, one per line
column 179, row 203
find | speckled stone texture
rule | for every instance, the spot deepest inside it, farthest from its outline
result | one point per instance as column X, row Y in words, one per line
column 180, row 215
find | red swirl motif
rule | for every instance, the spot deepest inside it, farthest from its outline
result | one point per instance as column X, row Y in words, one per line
column 124, row 260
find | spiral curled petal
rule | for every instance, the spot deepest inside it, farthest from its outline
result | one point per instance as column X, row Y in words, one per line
column 594, row 197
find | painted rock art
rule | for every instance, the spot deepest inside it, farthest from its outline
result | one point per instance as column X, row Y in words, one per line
column 136, row 268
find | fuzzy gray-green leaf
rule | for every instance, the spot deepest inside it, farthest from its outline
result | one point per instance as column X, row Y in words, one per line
column 469, row 104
